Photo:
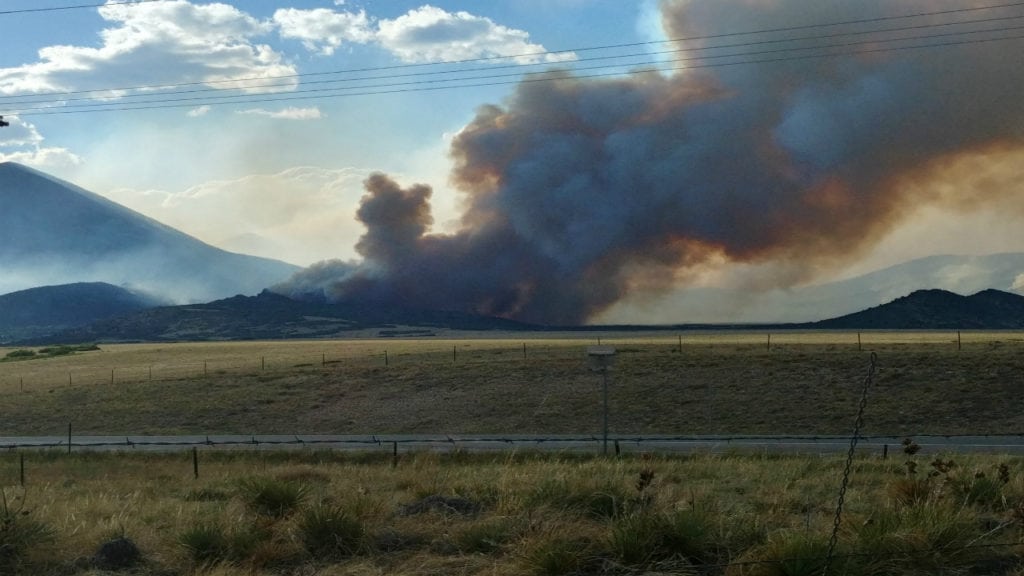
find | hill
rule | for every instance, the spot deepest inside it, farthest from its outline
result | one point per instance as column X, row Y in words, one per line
column 53, row 232
column 268, row 316
column 937, row 310
column 39, row 311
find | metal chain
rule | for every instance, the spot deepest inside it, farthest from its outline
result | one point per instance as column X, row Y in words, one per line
column 849, row 463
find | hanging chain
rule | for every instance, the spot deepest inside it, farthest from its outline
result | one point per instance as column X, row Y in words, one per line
column 849, row 463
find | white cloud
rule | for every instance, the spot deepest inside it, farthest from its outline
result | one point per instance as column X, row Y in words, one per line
column 289, row 113
column 323, row 30
column 425, row 34
column 430, row 34
column 300, row 215
column 197, row 112
column 157, row 43
column 21, row 142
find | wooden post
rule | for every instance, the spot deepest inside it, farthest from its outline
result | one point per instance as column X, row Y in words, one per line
column 150, row 372
column 22, row 383
column 859, row 348
column 69, row 437
column 69, row 379
column 263, row 363
column 453, row 353
column 885, row 452
column 769, row 341
column 394, row 454
column 204, row 368
column 323, row 359
column 680, row 343
column 195, row 462
column 385, row 357
column 21, row 475
column 112, row 376
column 958, row 340
column 524, row 350
column 617, row 451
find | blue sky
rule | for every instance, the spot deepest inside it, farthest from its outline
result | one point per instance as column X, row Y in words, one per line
column 173, row 164
column 891, row 149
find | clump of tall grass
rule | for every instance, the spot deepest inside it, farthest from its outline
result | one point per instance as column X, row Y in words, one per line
column 20, row 533
column 327, row 531
column 271, row 497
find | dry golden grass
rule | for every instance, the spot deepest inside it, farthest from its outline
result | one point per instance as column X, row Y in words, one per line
column 806, row 383
column 533, row 515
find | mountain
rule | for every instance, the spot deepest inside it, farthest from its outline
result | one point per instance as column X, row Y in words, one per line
column 963, row 274
column 39, row 311
column 937, row 310
column 53, row 232
column 273, row 316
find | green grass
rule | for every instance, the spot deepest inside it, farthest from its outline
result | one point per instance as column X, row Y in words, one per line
column 717, row 384
column 698, row 514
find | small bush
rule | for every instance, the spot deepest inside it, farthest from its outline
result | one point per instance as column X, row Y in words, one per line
column 486, row 537
column 21, row 353
column 329, row 532
column 205, row 542
column 272, row 498
column 559, row 556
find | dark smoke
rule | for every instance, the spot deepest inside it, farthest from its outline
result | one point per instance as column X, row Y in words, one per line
column 580, row 191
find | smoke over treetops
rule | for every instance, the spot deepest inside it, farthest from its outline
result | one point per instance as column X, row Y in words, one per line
column 579, row 191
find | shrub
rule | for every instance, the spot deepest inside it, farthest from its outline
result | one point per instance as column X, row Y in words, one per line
column 486, row 537
column 20, row 353
column 269, row 497
column 19, row 533
column 561, row 555
column 205, row 542
column 645, row 538
column 328, row 532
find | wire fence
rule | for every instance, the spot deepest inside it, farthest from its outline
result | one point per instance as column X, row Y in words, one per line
column 184, row 361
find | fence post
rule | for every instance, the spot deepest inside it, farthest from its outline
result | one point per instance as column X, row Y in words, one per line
column 263, row 363
column 453, row 353
column 195, row 463
column 112, row 376
column 394, row 454
column 885, row 452
column 69, row 437
column 21, row 475
column 22, row 383
column 524, row 350
column 385, row 357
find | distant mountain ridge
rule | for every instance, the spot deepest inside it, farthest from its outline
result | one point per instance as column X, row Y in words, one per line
column 937, row 310
column 53, row 232
column 270, row 316
column 40, row 311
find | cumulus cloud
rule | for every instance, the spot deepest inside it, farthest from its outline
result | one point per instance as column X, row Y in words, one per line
column 157, row 43
column 429, row 34
column 197, row 112
column 424, row 34
column 21, row 142
column 323, row 30
column 300, row 215
column 290, row 113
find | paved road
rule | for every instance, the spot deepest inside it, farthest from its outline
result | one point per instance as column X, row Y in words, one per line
column 574, row 443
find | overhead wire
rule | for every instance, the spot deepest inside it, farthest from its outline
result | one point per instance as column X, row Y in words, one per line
column 154, row 98
column 573, row 64
column 553, row 52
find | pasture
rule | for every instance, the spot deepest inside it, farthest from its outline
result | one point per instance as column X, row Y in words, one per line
column 662, row 383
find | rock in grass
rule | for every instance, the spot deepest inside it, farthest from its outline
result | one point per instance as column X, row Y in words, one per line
column 116, row 554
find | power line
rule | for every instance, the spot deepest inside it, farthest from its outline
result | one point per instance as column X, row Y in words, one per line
column 545, row 77
column 646, row 55
column 556, row 52
column 76, row 6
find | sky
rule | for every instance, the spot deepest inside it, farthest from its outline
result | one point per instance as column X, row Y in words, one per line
column 395, row 145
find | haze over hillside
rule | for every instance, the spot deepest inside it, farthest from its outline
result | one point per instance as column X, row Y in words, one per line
column 53, row 232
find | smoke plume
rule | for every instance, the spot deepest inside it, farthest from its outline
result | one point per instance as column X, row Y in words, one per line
column 579, row 191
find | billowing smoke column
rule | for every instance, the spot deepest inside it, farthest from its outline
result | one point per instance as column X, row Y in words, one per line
column 580, row 190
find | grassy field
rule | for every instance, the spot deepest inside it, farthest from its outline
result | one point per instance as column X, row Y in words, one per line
column 721, row 383
column 321, row 513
